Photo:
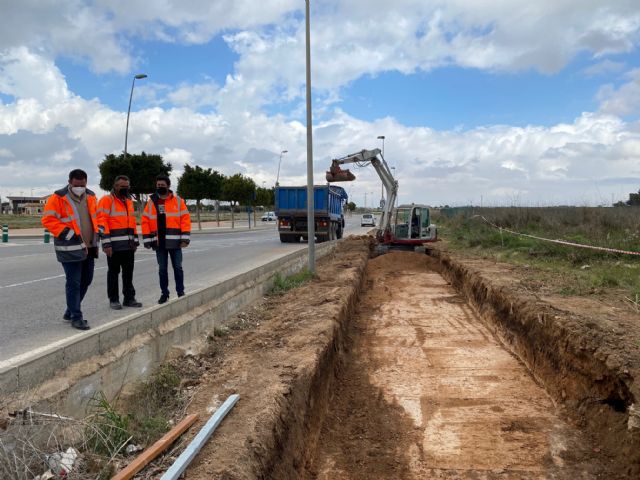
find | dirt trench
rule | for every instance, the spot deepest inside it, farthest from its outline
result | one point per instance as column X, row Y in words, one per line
column 381, row 369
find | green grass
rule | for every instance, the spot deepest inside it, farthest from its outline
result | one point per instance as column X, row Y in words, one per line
column 20, row 221
column 575, row 271
column 283, row 284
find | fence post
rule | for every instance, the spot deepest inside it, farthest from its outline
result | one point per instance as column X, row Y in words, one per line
column 47, row 236
column 5, row 233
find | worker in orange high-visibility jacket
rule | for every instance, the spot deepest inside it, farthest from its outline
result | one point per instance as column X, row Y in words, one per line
column 70, row 216
column 119, row 235
column 166, row 227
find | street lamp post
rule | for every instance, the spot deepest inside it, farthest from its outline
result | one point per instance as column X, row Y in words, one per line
column 311, row 227
column 381, row 137
column 139, row 76
column 278, row 176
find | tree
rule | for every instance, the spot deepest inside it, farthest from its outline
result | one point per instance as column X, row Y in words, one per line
column 265, row 196
column 634, row 199
column 240, row 189
column 197, row 184
column 351, row 206
column 142, row 171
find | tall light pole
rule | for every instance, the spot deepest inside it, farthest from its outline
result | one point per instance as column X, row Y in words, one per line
column 139, row 76
column 278, row 176
column 311, row 227
column 381, row 137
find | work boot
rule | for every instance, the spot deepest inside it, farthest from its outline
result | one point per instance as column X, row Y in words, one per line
column 66, row 317
column 181, row 294
column 115, row 304
column 131, row 303
column 163, row 298
column 80, row 324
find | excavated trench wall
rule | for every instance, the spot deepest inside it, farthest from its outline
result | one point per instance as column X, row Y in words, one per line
column 563, row 352
column 592, row 388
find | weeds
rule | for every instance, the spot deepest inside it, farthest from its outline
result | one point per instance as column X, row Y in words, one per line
column 107, row 429
column 283, row 284
column 29, row 440
column 580, row 271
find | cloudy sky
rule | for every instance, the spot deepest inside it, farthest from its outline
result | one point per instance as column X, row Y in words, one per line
column 500, row 101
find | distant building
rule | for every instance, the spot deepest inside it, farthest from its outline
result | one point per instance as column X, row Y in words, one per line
column 26, row 205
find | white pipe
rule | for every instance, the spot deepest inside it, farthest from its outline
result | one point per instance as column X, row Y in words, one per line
column 186, row 457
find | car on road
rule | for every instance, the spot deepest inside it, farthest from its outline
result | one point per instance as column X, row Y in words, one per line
column 367, row 220
column 269, row 217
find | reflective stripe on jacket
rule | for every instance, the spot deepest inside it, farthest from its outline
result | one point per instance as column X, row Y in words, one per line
column 61, row 218
column 178, row 222
column 117, row 223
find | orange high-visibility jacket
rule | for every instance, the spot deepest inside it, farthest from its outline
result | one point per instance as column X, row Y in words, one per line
column 178, row 222
column 117, row 223
column 61, row 217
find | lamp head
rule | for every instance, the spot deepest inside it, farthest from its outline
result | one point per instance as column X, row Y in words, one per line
column 140, row 76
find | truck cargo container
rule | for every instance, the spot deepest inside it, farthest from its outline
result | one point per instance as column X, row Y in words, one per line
column 291, row 210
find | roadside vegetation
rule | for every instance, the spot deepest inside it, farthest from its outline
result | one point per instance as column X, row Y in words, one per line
column 568, row 270
column 30, row 444
column 283, row 284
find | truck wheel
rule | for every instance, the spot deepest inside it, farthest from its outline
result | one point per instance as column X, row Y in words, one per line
column 294, row 239
column 339, row 232
column 332, row 232
column 284, row 238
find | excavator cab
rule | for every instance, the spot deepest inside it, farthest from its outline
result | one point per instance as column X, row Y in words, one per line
column 412, row 222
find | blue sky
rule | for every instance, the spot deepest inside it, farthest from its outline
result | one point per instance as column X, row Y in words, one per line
column 515, row 103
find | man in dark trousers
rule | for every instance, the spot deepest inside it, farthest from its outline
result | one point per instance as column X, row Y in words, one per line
column 166, row 227
column 70, row 215
column 119, row 234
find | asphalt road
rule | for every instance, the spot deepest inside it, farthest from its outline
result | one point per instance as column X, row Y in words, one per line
column 32, row 297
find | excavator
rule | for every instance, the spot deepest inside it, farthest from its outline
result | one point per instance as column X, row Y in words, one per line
column 404, row 227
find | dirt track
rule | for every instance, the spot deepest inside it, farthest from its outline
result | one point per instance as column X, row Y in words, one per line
column 394, row 375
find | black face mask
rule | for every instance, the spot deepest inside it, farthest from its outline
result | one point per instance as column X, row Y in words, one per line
column 162, row 190
column 123, row 192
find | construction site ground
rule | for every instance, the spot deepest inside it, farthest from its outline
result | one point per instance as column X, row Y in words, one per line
column 408, row 366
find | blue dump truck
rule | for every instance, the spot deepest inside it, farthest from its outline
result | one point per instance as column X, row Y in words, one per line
column 291, row 210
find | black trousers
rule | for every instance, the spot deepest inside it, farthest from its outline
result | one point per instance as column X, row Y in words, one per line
column 122, row 259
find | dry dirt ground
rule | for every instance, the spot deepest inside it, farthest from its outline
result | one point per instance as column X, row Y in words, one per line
column 420, row 367
column 427, row 392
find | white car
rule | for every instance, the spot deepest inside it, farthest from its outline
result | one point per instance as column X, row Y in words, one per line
column 269, row 217
column 367, row 220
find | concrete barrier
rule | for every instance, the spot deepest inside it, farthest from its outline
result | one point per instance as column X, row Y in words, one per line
column 70, row 371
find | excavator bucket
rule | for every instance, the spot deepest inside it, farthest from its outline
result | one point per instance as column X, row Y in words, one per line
column 336, row 174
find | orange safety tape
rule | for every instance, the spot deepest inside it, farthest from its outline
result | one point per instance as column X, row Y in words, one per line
column 561, row 242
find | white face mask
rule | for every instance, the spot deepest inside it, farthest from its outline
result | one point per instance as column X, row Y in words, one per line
column 78, row 191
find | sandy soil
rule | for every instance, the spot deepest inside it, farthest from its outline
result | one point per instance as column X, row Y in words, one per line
column 428, row 392
column 398, row 374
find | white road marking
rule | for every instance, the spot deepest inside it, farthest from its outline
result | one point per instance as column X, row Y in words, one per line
column 37, row 280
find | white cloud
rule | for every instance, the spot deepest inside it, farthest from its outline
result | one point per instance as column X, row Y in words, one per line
column 350, row 39
column 624, row 100
column 604, row 67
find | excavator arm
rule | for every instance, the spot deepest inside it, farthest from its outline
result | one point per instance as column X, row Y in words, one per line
column 362, row 159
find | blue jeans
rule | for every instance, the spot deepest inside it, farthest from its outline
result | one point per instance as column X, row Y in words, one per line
column 162, row 255
column 79, row 277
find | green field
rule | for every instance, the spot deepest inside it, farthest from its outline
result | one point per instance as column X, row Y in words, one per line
column 568, row 270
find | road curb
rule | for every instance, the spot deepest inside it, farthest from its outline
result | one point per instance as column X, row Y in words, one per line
column 125, row 350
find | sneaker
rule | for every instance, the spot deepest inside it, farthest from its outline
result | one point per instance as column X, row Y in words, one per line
column 131, row 303
column 80, row 324
column 163, row 298
column 115, row 305
column 66, row 317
